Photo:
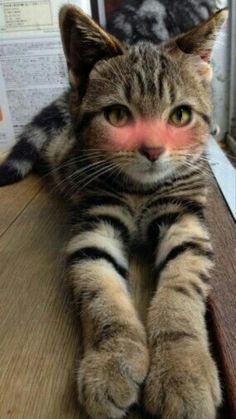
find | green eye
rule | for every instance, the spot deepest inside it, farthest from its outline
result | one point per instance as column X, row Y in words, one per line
column 118, row 116
column 181, row 116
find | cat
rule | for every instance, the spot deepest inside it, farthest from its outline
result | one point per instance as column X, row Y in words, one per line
column 157, row 20
column 140, row 257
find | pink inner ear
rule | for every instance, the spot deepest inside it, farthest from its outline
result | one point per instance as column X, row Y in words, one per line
column 206, row 55
column 150, row 133
column 202, row 65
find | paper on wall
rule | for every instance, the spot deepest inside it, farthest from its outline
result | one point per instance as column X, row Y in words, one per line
column 32, row 65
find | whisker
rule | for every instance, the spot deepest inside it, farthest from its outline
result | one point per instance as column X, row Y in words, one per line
column 83, row 171
column 95, row 175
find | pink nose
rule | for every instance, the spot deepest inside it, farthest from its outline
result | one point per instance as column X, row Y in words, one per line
column 152, row 153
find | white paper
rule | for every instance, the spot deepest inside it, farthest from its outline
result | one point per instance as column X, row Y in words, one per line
column 32, row 65
column 32, row 18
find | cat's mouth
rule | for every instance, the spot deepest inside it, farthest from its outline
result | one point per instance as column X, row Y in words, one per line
column 144, row 170
column 151, row 167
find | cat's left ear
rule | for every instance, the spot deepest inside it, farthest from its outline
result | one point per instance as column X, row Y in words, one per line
column 84, row 43
column 198, row 43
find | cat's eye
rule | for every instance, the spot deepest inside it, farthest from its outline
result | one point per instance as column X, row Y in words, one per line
column 118, row 116
column 181, row 116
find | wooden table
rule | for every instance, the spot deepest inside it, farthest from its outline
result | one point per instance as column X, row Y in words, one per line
column 38, row 332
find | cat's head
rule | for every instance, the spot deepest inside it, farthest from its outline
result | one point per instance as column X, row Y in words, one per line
column 145, row 109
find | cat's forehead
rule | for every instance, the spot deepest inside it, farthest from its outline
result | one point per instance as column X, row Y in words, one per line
column 144, row 65
column 147, row 54
column 146, row 57
column 146, row 76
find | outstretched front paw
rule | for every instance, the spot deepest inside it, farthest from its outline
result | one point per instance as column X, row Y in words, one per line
column 182, row 382
column 109, row 379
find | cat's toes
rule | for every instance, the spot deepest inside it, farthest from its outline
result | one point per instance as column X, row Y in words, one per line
column 182, row 384
column 108, row 380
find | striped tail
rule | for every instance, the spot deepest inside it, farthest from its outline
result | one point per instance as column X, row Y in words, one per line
column 27, row 153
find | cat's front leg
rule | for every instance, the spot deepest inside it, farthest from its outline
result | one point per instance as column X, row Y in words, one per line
column 115, row 360
column 183, row 381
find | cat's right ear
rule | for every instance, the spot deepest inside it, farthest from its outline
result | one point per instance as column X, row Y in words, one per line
column 198, row 43
column 84, row 43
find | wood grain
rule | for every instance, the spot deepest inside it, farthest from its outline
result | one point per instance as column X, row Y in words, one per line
column 223, row 296
column 13, row 203
column 38, row 339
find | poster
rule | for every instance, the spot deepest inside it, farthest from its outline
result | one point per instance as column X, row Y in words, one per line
column 32, row 65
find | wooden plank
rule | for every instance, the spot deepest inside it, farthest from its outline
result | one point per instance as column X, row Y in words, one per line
column 38, row 337
column 223, row 296
column 14, row 199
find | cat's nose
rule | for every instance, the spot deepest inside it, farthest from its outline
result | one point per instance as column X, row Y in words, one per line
column 152, row 153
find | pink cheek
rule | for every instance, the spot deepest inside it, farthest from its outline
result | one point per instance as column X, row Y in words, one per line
column 178, row 138
column 125, row 138
column 149, row 134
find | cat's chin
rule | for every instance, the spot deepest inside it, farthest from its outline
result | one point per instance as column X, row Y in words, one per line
column 148, row 176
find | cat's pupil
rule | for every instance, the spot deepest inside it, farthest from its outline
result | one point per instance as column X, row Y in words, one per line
column 120, row 114
column 179, row 114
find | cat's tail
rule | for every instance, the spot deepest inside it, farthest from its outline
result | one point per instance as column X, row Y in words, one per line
column 19, row 162
column 26, row 154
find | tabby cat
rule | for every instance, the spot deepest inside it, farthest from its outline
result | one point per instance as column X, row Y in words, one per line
column 125, row 146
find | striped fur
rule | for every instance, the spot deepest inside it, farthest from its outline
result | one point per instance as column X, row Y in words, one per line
column 140, row 257
column 29, row 149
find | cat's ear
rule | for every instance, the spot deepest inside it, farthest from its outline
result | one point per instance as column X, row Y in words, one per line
column 84, row 43
column 198, row 43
